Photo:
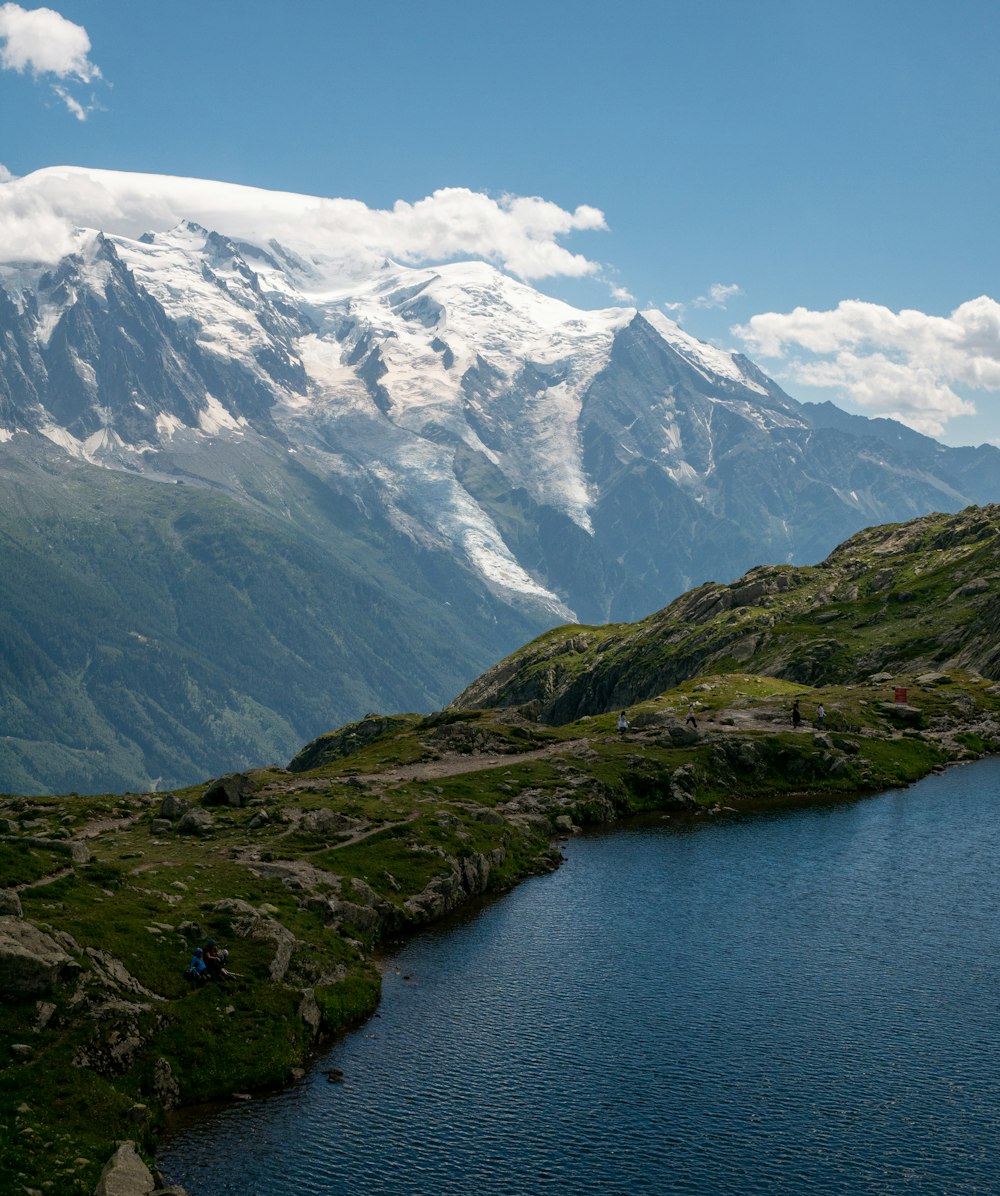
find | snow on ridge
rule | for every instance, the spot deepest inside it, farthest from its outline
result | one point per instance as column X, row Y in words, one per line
column 702, row 356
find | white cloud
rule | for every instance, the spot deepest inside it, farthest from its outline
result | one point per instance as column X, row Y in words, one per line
column 39, row 212
column 719, row 294
column 621, row 294
column 906, row 364
column 44, row 42
column 5, row 175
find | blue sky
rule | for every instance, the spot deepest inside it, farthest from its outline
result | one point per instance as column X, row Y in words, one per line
column 813, row 183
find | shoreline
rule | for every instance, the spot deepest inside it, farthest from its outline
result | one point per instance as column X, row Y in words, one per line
column 311, row 876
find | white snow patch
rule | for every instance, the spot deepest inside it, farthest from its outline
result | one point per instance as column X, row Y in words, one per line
column 214, row 417
column 705, row 358
column 168, row 424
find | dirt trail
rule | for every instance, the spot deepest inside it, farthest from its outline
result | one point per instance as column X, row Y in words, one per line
column 452, row 764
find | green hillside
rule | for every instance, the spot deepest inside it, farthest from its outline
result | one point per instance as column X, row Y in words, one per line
column 914, row 597
column 390, row 822
column 152, row 634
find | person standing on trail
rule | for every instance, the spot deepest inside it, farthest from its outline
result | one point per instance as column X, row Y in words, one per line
column 820, row 716
column 796, row 715
column 691, row 721
column 623, row 724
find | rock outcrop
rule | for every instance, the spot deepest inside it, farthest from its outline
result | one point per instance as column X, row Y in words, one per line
column 30, row 960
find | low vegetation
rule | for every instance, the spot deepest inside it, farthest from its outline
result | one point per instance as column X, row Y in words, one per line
column 389, row 823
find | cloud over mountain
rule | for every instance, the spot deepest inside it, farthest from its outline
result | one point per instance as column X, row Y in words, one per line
column 903, row 364
column 519, row 233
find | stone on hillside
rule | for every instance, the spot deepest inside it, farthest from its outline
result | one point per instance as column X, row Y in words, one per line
column 934, row 679
column 10, row 903
column 682, row 736
column 125, row 1174
column 160, row 826
column 234, row 789
column 165, row 1086
column 8, row 826
column 30, row 961
column 173, row 807
column 79, row 853
column 261, row 818
column 326, row 822
column 822, row 740
column 903, row 712
column 195, row 822
column 978, row 585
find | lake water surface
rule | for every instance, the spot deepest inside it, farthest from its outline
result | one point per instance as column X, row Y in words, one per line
column 800, row 1001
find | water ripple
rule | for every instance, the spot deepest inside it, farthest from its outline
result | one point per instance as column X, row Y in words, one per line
column 802, row 1002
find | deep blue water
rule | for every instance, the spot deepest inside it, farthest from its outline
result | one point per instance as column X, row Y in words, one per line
column 801, row 1001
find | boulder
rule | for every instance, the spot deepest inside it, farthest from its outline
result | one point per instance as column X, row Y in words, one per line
column 30, row 961
column 79, row 853
column 327, row 822
column 125, row 1174
column 165, row 1087
column 195, row 822
column 10, row 903
column 903, row 712
column 234, row 790
column 174, row 807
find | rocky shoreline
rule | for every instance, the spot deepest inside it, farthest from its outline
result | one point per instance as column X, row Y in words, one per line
column 304, row 872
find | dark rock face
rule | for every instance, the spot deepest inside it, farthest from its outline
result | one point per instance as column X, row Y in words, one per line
column 233, row 790
column 30, row 961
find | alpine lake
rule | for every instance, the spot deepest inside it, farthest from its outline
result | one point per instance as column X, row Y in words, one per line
column 777, row 1001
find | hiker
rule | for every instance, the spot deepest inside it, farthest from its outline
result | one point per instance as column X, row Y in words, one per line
column 215, row 960
column 691, row 721
column 197, row 973
column 820, row 716
column 623, row 724
column 796, row 714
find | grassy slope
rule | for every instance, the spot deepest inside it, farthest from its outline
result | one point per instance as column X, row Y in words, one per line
column 383, row 825
column 909, row 597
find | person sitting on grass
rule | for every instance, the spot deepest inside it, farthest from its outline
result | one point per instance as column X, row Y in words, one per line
column 197, row 972
column 215, row 961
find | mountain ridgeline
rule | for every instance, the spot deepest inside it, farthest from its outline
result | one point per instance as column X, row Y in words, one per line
column 242, row 500
column 919, row 597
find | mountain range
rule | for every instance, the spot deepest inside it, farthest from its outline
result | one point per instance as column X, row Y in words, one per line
column 247, row 495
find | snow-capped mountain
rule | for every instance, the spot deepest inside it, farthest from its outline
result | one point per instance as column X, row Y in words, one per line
column 556, row 462
column 474, row 411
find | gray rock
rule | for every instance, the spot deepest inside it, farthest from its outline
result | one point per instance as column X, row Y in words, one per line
column 327, row 822
column 160, row 826
column 30, row 961
column 173, row 807
column 310, row 1011
column 165, row 1086
column 79, row 853
column 683, row 736
column 261, row 818
column 8, row 826
column 195, row 822
column 10, row 903
column 903, row 712
column 233, row 790
column 125, row 1174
